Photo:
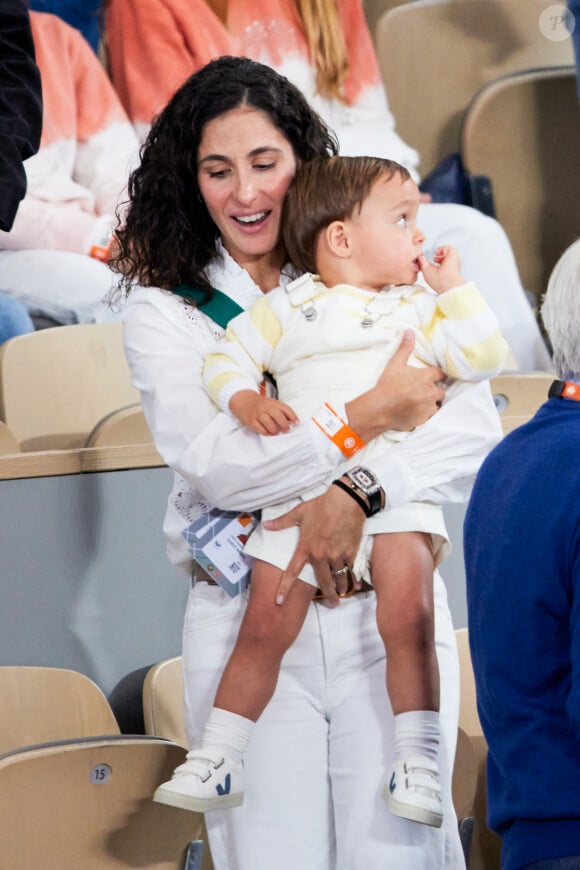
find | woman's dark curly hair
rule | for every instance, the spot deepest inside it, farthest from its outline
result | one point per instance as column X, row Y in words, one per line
column 166, row 237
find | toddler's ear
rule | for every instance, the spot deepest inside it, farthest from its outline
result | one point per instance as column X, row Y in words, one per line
column 337, row 238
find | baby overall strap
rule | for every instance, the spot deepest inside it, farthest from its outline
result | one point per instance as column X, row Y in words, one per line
column 302, row 292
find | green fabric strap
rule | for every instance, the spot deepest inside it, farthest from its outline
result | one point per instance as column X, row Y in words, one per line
column 220, row 308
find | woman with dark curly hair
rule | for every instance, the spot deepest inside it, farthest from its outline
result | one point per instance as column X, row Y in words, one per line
column 326, row 49
column 199, row 242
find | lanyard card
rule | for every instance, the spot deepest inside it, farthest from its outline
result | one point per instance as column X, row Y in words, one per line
column 216, row 542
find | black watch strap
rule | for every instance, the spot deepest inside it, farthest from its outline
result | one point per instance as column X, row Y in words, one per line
column 564, row 390
column 355, row 495
column 375, row 501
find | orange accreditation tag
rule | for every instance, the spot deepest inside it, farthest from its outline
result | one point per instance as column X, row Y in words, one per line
column 339, row 432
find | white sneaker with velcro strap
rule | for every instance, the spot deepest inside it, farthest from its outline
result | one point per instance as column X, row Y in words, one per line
column 414, row 792
column 207, row 780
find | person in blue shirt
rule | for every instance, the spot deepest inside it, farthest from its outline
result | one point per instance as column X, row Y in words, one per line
column 522, row 559
column 85, row 15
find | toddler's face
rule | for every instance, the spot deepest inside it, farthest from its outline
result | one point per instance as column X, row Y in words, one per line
column 385, row 237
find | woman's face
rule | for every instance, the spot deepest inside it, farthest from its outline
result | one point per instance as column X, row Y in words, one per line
column 245, row 166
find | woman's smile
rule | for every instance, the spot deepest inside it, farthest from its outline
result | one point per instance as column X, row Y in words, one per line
column 252, row 221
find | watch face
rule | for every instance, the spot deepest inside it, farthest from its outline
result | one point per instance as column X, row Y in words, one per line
column 364, row 478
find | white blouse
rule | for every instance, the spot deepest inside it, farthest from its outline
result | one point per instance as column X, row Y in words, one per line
column 218, row 463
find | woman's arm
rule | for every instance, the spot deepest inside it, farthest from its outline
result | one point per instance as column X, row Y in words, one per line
column 229, row 466
column 436, row 463
column 439, row 460
column 236, row 469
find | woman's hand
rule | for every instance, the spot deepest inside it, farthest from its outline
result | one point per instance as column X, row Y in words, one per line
column 403, row 397
column 330, row 533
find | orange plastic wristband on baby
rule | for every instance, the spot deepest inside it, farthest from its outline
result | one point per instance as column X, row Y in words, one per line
column 339, row 432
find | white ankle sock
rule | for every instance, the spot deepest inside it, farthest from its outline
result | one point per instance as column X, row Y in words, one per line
column 228, row 732
column 417, row 733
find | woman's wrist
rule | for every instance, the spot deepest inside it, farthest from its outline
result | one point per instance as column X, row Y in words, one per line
column 364, row 488
column 363, row 418
column 337, row 430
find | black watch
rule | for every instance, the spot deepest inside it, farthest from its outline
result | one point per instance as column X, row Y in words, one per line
column 364, row 481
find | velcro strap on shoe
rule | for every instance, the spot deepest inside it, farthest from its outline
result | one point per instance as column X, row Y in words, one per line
column 200, row 763
column 421, row 775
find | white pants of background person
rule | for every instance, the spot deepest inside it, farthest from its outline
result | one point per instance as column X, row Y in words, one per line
column 320, row 702
column 61, row 285
column 487, row 258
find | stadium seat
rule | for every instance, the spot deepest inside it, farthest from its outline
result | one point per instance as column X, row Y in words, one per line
column 8, row 443
column 517, row 396
column 123, row 426
column 56, row 384
column 163, row 701
column 536, row 183
column 435, row 55
column 42, row 704
column 87, row 804
column 485, row 845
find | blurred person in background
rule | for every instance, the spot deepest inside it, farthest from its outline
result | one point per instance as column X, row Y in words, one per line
column 54, row 259
column 20, row 129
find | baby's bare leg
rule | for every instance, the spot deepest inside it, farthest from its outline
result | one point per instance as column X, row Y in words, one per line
column 267, row 631
column 402, row 571
column 212, row 777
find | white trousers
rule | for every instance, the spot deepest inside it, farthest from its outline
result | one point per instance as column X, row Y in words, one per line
column 487, row 258
column 67, row 287
column 323, row 748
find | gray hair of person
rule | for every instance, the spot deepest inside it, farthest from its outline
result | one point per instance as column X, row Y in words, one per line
column 560, row 312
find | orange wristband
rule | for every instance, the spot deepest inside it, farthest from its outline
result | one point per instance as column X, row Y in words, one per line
column 564, row 390
column 98, row 252
column 339, row 432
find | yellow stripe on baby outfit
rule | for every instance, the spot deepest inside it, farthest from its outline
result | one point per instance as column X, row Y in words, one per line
column 265, row 322
column 488, row 355
column 249, row 340
column 218, row 380
column 462, row 303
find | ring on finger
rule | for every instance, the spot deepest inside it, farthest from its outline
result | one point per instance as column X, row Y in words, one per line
column 344, row 570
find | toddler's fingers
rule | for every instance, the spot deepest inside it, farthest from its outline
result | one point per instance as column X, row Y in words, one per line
column 284, row 417
column 289, row 414
column 269, row 424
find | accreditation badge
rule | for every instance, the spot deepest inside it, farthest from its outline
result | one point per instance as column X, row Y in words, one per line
column 216, row 542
